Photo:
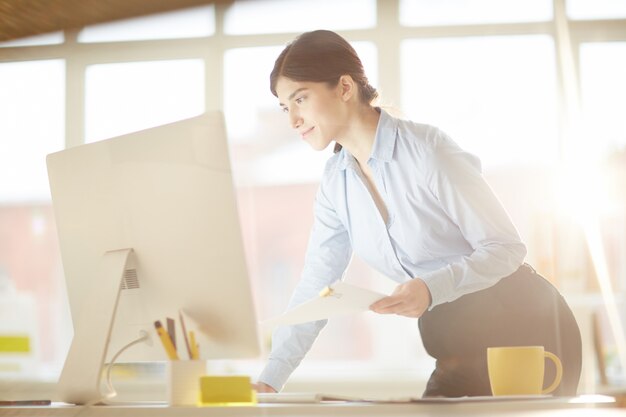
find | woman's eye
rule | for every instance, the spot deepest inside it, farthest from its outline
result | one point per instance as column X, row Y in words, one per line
column 299, row 100
column 284, row 109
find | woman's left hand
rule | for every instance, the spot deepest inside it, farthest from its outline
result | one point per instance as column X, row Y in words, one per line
column 410, row 299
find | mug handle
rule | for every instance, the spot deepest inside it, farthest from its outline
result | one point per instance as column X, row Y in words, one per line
column 559, row 372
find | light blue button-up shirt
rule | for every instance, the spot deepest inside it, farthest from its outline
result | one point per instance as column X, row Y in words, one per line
column 444, row 225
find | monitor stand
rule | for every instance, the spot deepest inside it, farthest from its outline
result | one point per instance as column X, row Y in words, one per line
column 80, row 379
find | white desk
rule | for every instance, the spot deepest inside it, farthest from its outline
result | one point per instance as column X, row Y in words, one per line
column 548, row 408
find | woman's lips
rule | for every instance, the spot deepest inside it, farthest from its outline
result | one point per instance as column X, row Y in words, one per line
column 305, row 133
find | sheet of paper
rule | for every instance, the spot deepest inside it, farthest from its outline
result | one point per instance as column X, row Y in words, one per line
column 344, row 299
column 302, row 397
column 486, row 398
column 311, row 397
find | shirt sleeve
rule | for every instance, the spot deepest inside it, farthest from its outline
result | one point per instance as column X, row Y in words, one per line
column 456, row 180
column 328, row 255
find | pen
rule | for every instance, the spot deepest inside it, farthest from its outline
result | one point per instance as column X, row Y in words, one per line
column 171, row 330
column 182, row 324
column 165, row 340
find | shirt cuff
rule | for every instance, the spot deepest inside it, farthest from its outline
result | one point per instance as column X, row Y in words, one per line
column 440, row 283
column 275, row 374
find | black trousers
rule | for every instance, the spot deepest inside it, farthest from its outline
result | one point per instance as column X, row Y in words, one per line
column 523, row 309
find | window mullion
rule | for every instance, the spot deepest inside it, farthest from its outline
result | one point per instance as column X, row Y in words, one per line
column 74, row 92
column 387, row 41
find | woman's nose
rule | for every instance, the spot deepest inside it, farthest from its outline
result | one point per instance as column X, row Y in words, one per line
column 294, row 119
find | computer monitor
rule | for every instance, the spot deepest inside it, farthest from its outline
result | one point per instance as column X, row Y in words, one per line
column 148, row 226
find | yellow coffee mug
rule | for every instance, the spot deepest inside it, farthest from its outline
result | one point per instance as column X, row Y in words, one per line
column 519, row 370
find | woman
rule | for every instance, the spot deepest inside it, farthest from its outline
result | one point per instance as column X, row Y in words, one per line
column 411, row 203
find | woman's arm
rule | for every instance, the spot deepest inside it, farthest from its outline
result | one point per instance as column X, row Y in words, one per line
column 327, row 257
column 455, row 179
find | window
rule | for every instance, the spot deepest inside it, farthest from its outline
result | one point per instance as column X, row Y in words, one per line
column 187, row 23
column 32, row 110
column 603, row 92
column 597, row 9
column 496, row 96
column 45, row 39
column 280, row 16
column 602, row 69
column 32, row 107
column 247, row 95
column 470, row 12
column 127, row 97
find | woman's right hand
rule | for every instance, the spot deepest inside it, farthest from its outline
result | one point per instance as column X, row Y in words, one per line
column 262, row 387
column 410, row 299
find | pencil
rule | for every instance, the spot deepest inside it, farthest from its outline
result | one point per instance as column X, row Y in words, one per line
column 194, row 346
column 166, row 341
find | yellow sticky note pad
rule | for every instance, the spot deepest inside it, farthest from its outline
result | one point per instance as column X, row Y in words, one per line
column 226, row 390
column 14, row 344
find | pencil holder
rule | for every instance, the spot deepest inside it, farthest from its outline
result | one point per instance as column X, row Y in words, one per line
column 183, row 381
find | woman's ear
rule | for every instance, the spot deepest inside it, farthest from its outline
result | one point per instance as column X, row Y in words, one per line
column 347, row 87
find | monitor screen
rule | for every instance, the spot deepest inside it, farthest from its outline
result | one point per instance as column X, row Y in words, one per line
column 148, row 227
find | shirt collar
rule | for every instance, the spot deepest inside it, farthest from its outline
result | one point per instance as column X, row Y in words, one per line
column 384, row 142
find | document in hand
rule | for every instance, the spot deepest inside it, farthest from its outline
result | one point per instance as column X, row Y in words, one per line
column 340, row 298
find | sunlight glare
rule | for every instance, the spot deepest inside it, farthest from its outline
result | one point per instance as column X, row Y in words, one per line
column 581, row 192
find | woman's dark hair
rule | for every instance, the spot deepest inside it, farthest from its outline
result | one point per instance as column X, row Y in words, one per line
column 321, row 56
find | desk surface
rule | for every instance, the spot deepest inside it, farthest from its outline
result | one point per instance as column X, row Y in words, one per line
column 548, row 408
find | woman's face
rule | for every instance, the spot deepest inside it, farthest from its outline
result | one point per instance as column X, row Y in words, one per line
column 314, row 109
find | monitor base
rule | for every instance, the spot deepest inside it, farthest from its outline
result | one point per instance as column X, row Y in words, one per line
column 79, row 382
